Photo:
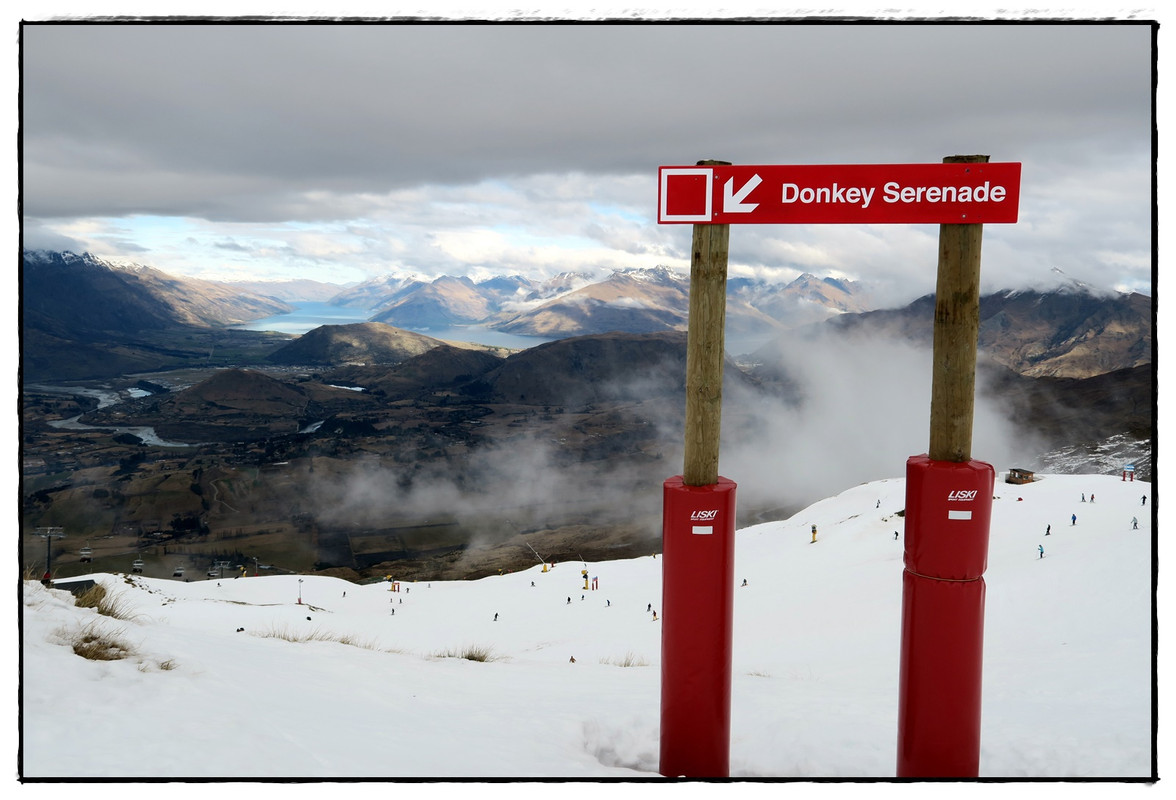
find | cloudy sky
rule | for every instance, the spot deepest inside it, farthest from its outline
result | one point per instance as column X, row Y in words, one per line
column 342, row 152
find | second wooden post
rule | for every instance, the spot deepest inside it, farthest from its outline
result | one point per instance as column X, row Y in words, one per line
column 945, row 553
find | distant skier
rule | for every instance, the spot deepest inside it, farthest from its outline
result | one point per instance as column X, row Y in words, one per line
column 569, row 601
column 655, row 616
column 1040, row 551
column 1047, row 530
column 649, row 607
column 1083, row 497
column 1143, row 500
column 896, row 536
column 1134, row 523
column 745, row 581
column 608, row 603
column 1092, row 498
column 1073, row 519
column 496, row 616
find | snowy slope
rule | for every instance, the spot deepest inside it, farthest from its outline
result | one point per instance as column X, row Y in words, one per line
column 1068, row 658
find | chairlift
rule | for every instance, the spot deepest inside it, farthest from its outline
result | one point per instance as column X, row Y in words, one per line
column 86, row 554
column 212, row 573
column 137, row 566
column 178, row 572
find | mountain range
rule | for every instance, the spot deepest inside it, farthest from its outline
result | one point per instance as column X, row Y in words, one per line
column 1065, row 333
column 575, row 304
column 85, row 317
column 66, row 292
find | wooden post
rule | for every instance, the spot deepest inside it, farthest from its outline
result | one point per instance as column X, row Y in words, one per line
column 698, row 542
column 705, row 350
column 945, row 553
column 957, row 326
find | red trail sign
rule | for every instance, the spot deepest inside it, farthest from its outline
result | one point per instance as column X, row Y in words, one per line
column 857, row 194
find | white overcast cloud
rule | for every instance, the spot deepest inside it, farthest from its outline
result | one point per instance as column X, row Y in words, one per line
column 344, row 151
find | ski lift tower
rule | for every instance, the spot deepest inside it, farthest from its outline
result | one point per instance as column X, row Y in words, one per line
column 49, row 534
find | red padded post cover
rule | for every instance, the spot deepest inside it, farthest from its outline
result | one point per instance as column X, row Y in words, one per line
column 698, row 595
column 948, row 513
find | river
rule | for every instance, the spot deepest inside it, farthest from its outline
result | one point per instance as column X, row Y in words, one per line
column 105, row 397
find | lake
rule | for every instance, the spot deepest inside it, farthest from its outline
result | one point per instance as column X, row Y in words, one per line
column 308, row 316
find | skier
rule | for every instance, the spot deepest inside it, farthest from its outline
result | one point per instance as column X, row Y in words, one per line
column 608, row 603
column 1143, row 500
column 1134, row 523
column 496, row 616
column 745, row 581
column 1092, row 498
column 1040, row 551
column 1047, row 530
column 1083, row 497
column 649, row 606
column 655, row 616
column 896, row 536
column 1073, row 519
column 569, row 601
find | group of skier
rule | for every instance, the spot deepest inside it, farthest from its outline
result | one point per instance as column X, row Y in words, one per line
column 1074, row 521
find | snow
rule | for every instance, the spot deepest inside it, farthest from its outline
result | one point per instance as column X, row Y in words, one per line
column 1068, row 690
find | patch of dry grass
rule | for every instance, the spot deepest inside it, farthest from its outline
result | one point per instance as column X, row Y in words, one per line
column 105, row 603
column 471, row 652
column 318, row 635
column 629, row 659
column 93, row 643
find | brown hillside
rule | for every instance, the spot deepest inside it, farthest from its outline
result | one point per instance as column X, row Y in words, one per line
column 608, row 367
column 358, row 343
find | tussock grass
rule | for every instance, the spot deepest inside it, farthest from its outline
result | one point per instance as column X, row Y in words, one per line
column 629, row 659
column 105, row 603
column 318, row 635
column 92, row 642
column 471, row 652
